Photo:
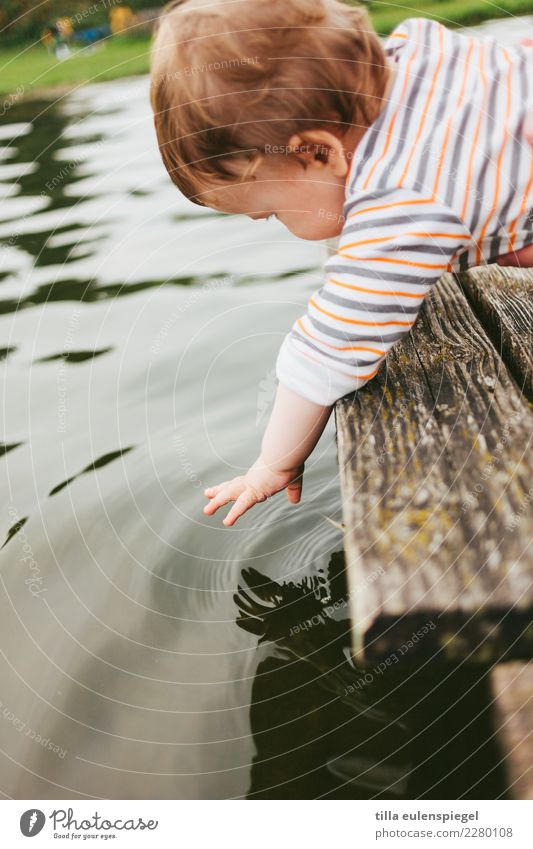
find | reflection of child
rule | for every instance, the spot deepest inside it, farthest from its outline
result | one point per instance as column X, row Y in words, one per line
column 411, row 152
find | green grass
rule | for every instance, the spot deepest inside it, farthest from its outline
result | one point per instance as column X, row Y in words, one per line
column 25, row 68
column 386, row 16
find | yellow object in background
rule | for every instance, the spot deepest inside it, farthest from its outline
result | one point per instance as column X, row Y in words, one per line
column 121, row 18
column 64, row 27
column 48, row 39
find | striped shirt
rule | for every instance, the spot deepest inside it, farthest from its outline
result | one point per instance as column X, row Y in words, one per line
column 442, row 180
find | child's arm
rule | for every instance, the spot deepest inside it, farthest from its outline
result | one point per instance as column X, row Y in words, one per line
column 394, row 246
column 294, row 429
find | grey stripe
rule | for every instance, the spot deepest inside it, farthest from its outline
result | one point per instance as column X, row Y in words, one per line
column 526, row 239
column 495, row 248
column 453, row 66
column 369, row 274
column 459, row 141
column 360, row 336
column 374, row 132
column 464, row 261
column 487, row 134
column 405, row 250
column 429, row 248
column 457, row 153
column 403, row 219
column 347, row 362
column 417, row 75
column 518, row 143
column 424, row 248
column 365, row 152
column 366, row 198
column 367, row 307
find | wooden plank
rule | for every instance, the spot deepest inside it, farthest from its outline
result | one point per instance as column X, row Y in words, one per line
column 501, row 298
column 435, row 478
column 512, row 687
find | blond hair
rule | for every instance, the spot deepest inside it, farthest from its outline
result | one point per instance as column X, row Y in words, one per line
column 233, row 79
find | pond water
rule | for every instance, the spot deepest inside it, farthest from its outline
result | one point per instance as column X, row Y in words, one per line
column 147, row 651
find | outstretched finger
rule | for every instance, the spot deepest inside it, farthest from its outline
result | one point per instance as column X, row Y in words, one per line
column 245, row 500
column 210, row 491
column 218, row 501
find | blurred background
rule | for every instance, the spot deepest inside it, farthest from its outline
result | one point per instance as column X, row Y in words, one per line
column 106, row 39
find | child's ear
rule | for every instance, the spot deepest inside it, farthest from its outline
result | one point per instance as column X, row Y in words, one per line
column 320, row 149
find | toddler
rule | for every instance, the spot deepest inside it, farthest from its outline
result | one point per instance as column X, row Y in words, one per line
column 410, row 151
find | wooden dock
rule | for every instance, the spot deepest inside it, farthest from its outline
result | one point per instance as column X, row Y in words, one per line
column 437, row 484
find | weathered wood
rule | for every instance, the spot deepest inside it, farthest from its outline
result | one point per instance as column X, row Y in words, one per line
column 435, row 477
column 512, row 686
column 501, row 298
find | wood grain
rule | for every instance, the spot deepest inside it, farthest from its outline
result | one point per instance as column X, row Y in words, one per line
column 502, row 299
column 435, row 478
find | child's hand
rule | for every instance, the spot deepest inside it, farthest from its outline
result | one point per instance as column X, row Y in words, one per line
column 292, row 432
column 258, row 484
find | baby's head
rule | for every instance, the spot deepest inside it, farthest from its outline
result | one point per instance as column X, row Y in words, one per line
column 259, row 104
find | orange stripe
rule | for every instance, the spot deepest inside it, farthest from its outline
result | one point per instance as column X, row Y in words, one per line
column 339, row 371
column 340, row 347
column 397, row 110
column 375, row 291
column 476, row 133
column 397, row 35
column 394, row 261
column 499, row 161
column 391, row 238
column 357, row 321
column 390, row 205
column 426, row 107
column 450, row 120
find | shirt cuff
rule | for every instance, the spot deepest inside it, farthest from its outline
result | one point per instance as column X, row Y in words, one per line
column 310, row 378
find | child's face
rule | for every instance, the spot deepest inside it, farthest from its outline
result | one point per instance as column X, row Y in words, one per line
column 305, row 192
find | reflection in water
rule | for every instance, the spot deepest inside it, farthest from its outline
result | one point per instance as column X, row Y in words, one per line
column 97, row 464
column 325, row 728
column 15, row 529
column 4, row 448
column 133, row 319
column 5, row 352
column 74, row 356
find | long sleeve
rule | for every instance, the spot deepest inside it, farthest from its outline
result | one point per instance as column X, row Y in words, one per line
column 394, row 246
